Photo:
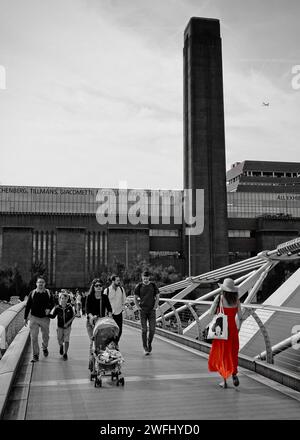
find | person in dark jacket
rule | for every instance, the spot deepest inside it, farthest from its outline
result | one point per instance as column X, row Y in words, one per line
column 146, row 297
column 65, row 316
column 96, row 306
column 39, row 304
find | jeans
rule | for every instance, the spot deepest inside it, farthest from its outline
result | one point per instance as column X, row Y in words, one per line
column 151, row 318
column 34, row 326
column 90, row 329
column 119, row 320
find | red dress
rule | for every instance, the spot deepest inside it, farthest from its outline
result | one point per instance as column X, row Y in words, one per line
column 223, row 356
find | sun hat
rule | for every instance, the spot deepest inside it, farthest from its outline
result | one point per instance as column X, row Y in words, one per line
column 228, row 285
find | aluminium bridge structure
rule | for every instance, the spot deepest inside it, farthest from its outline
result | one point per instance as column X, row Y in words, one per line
column 173, row 383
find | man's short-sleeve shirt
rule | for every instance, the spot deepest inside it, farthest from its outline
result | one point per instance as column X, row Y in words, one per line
column 147, row 294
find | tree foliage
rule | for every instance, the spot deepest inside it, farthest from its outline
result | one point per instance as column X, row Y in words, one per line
column 11, row 283
column 132, row 275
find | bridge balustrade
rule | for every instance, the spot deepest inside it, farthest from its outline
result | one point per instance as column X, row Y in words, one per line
column 11, row 322
column 259, row 335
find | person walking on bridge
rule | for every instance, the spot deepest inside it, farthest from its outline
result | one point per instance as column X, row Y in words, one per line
column 65, row 316
column 116, row 302
column 223, row 355
column 96, row 306
column 39, row 304
column 78, row 304
column 146, row 297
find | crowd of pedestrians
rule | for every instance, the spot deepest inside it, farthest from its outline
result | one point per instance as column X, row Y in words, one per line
column 109, row 300
column 100, row 301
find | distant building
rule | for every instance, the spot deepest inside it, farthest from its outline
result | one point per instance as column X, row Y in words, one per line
column 264, row 176
column 263, row 206
column 58, row 227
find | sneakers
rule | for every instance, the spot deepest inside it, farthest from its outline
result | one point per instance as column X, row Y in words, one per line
column 61, row 350
column 46, row 352
column 146, row 352
column 65, row 357
column 35, row 358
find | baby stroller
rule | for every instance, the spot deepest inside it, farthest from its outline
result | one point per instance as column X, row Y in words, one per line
column 105, row 359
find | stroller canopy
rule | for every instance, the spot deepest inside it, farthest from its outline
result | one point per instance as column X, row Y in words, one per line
column 105, row 331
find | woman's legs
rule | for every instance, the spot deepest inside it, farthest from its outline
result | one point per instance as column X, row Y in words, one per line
column 235, row 380
column 223, row 384
column 89, row 329
column 235, row 355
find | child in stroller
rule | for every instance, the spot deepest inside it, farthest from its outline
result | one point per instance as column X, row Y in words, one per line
column 105, row 358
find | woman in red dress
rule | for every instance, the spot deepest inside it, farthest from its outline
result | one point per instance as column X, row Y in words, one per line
column 223, row 355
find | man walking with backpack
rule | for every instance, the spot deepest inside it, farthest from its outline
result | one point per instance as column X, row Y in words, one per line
column 146, row 297
column 39, row 304
column 116, row 300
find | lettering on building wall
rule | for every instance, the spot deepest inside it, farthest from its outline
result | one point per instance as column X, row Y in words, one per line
column 286, row 197
column 50, row 191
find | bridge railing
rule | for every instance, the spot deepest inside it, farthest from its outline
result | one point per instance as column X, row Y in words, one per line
column 260, row 329
column 11, row 322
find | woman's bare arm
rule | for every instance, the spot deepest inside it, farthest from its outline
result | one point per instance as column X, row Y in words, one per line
column 213, row 308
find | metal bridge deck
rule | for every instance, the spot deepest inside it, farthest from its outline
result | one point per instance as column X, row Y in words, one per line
column 171, row 384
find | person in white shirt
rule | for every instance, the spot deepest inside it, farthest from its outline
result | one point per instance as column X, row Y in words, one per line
column 116, row 298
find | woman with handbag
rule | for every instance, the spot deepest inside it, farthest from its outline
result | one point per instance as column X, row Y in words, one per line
column 223, row 355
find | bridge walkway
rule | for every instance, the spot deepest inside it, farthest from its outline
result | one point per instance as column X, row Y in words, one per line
column 173, row 383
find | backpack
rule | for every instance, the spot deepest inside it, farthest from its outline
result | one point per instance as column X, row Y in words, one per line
column 106, row 291
column 48, row 291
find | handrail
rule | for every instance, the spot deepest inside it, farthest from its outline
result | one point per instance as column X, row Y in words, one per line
column 281, row 346
column 215, row 275
column 250, row 310
column 284, row 251
column 246, row 306
column 11, row 322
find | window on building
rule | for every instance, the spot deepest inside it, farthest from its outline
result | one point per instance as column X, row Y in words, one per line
column 163, row 232
column 237, row 233
column 157, row 254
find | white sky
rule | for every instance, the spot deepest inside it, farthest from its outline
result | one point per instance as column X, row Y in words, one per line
column 94, row 88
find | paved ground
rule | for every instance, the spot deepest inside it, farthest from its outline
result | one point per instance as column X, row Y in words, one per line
column 173, row 383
